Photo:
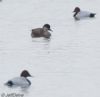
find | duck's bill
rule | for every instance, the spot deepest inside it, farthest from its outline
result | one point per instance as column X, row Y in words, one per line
column 31, row 76
column 50, row 30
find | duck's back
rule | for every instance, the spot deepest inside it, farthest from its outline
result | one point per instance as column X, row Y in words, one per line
column 83, row 14
column 20, row 81
column 38, row 32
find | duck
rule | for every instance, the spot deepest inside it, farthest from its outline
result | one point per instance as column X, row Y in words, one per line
column 78, row 14
column 42, row 32
column 21, row 81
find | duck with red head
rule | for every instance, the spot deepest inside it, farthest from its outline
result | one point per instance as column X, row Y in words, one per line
column 21, row 81
column 78, row 14
column 25, row 73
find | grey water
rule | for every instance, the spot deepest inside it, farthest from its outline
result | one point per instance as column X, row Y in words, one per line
column 68, row 64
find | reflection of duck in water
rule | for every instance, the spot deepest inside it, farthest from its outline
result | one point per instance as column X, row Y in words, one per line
column 41, row 32
column 21, row 81
column 81, row 14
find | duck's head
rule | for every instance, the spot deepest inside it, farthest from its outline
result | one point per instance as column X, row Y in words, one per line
column 47, row 26
column 25, row 73
column 77, row 9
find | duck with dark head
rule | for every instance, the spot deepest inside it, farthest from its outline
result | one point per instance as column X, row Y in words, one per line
column 78, row 13
column 21, row 81
column 42, row 32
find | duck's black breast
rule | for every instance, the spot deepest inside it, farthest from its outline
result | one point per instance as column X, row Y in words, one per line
column 75, row 14
column 28, row 81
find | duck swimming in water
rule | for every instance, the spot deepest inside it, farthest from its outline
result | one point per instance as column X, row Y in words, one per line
column 78, row 14
column 21, row 81
column 42, row 32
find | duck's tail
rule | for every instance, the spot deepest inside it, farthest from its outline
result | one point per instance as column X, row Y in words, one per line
column 9, row 83
column 92, row 14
